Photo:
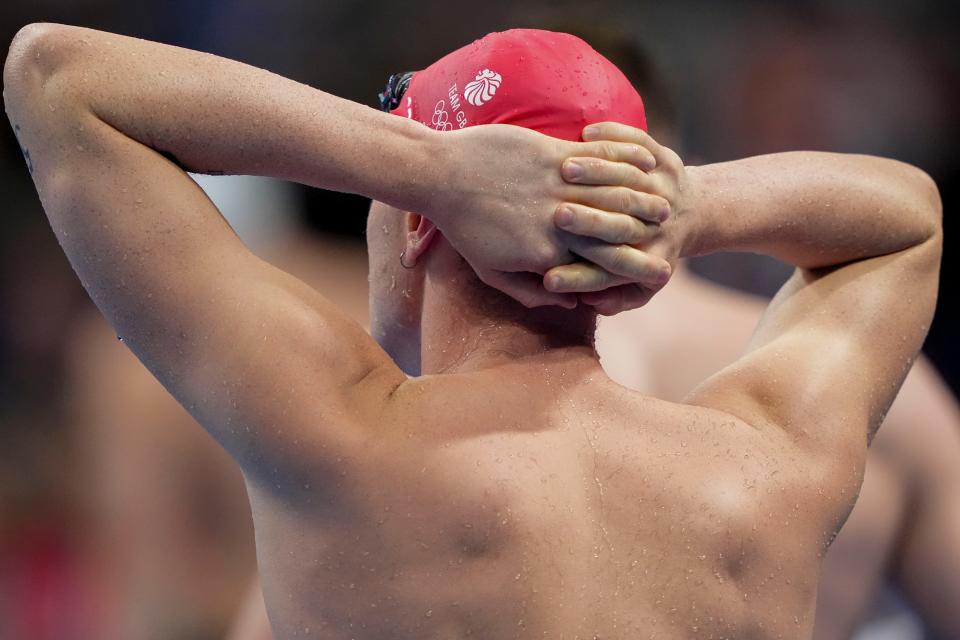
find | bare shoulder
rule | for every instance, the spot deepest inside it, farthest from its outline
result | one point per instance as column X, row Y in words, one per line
column 773, row 471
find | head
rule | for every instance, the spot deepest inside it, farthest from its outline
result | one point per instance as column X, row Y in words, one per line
column 625, row 49
column 553, row 83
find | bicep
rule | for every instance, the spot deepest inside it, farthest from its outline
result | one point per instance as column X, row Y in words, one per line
column 258, row 357
column 833, row 347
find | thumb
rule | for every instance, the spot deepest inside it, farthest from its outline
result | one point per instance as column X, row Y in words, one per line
column 527, row 289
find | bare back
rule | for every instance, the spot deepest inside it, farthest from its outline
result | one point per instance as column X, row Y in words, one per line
column 527, row 502
column 360, row 477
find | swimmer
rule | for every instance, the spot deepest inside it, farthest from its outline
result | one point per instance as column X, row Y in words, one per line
column 513, row 490
column 914, row 459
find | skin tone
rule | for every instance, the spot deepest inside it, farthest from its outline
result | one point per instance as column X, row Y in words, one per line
column 164, row 559
column 917, row 450
column 913, row 460
column 299, row 134
column 170, row 535
column 513, row 490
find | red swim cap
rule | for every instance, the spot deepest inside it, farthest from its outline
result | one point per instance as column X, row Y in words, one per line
column 554, row 83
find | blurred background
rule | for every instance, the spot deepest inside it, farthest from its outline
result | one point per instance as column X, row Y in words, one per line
column 119, row 518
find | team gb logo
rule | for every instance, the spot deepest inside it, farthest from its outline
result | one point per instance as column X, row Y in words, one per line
column 482, row 88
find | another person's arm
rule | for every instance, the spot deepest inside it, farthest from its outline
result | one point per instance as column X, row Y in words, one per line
column 921, row 438
column 108, row 126
column 252, row 622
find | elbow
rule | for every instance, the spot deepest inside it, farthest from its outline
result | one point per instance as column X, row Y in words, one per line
column 38, row 53
column 930, row 207
column 929, row 203
column 932, row 203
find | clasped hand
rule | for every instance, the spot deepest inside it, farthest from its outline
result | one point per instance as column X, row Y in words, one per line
column 600, row 231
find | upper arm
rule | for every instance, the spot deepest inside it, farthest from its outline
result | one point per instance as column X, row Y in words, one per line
column 264, row 362
column 833, row 347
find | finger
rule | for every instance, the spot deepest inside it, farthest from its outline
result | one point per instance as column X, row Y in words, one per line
column 615, row 228
column 586, row 170
column 622, row 260
column 623, row 133
column 617, row 299
column 580, row 277
column 527, row 289
column 643, row 206
column 631, row 153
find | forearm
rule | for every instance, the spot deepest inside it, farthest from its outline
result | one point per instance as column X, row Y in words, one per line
column 810, row 209
column 213, row 115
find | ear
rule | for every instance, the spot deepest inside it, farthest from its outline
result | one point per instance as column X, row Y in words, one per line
column 420, row 235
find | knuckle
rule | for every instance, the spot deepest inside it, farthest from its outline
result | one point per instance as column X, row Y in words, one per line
column 674, row 163
column 619, row 230
column 546, row 255
column 595, row 170
column 624, row 175
column 595, row 166
column 618, row 259
column 598, row 279
column 634, row 230
column 636, row 201
column 572, row 281
column 635, row 177
column 616, row 231
column 593, row 221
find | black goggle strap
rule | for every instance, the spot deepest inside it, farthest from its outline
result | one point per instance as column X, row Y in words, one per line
column 392, row 94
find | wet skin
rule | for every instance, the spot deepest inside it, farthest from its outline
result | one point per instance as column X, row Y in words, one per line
column 913, row 460
column 540, row 499
column 359, row 476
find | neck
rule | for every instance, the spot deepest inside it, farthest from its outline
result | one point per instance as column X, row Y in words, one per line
column 466, row 327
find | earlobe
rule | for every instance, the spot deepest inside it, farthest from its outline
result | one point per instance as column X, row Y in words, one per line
column 420, row 235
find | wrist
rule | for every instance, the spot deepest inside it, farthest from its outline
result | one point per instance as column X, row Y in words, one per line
column 420, row 167
column 689, row 216
column 438, row 175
